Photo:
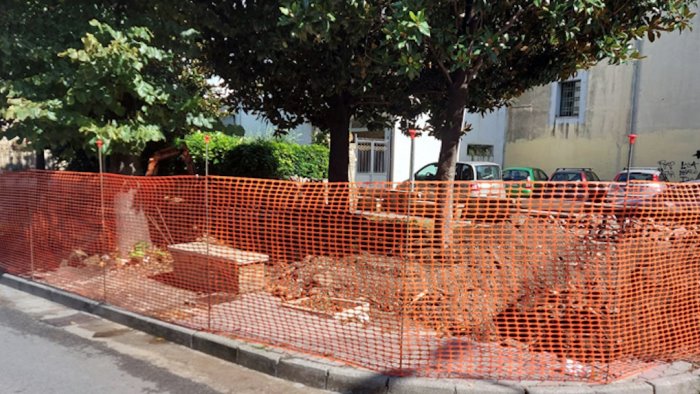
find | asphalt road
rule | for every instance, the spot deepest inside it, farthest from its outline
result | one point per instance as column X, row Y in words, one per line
column 48, row 348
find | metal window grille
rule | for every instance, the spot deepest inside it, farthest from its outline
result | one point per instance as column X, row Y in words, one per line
column 569, row 98
column 371, row 157
column 480, row 152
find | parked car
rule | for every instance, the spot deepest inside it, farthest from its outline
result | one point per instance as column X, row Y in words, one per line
column 575, row 183
column 679, row 204
column 653, row 174
column 524, row 181
column 643, row 181
column 485, row 177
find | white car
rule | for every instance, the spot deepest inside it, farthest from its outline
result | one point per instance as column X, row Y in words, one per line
column 484, row 178
column 643, row 182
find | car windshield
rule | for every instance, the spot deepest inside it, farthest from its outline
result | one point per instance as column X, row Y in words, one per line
column 488, row 173
column 566, row 176
column 635, row 176
column 515, row 175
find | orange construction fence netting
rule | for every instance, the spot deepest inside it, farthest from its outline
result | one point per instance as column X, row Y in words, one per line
column 585, row 282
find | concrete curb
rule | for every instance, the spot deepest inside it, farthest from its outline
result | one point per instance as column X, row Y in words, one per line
column 678, row 378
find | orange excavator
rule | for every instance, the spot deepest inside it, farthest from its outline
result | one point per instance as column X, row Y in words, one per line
column 180, row 152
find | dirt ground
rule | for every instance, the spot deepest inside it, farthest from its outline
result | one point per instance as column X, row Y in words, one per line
column 407, row 327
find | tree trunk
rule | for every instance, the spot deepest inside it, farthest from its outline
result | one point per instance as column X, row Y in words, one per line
column 452, row 132
column 447, row 161
column 339, row 125
column 40, row 159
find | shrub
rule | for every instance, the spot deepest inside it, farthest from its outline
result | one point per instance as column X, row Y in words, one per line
column 220, row 145
column 260, row 158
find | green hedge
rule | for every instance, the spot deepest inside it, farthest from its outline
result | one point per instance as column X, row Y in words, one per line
column 220, row 145
column 260, row 158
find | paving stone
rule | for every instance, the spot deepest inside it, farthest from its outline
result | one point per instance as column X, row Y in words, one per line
column 352, row 380
column 259, row 359
column 559, row 389
column 487, row 387
column 624, row 388
column 171, row 332
column 679, row 367
column 686, row 383
column 303, row 371
column 412, row 385
column 217, row 346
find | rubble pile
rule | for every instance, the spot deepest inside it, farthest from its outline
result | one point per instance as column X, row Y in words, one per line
column 581, row 287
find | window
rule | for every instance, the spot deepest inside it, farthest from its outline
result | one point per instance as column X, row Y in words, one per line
column 591, row 176
column 567, row 104
column 427, row 173
column 485, row 173
column 569, row 98
column 465, row 172
column 566, row 176
column 371, row 157
column 541, row 175
column 515, row 175
column 480, row 152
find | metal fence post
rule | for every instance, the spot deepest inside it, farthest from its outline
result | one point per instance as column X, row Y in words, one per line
column 206, row 226
column 102, row 216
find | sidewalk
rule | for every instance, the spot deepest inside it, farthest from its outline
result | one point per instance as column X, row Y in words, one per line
column 675, row 378
column 100, row 355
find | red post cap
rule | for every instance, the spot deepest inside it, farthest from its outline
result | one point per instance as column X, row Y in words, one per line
column 206, row 138
column 412, row 133
column 99, row 144
column 632, row 138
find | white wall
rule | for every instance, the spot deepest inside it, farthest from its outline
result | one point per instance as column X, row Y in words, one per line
column 427, row 151
column 256, row 126
column 489, row 129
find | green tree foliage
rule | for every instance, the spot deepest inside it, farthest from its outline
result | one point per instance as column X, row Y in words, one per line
column 274, row 66
column 220, row 146
column 327, row 60
column 116, row 87
column 64, row 82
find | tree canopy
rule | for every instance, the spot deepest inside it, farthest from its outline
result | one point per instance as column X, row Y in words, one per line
column 65, row 91
column 476, row 54
column 273, row 67
column 294, row 61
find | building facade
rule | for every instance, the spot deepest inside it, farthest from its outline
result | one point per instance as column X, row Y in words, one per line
column 585, row 121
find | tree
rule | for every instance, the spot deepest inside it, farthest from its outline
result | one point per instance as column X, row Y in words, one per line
column 117, row 86
column 275, row 66
column 476, row 54
column 469, row 54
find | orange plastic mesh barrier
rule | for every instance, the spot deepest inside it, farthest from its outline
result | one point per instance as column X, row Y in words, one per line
column 574, row 281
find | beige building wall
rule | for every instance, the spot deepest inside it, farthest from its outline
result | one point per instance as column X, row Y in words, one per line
column 667, row 116
column 668, row 121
